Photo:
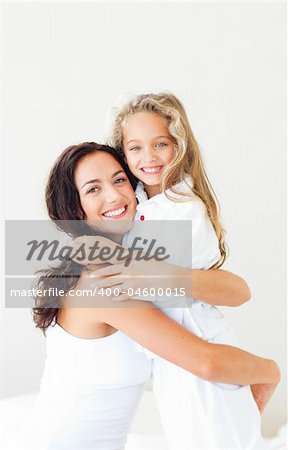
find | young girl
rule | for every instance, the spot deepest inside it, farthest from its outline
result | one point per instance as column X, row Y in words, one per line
column 152, row 132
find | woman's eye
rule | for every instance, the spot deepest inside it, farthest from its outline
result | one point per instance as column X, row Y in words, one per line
column 93, row 190
column 120, row 180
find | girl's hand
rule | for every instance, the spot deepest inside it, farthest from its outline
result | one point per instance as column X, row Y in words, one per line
column 85, row 295
column 95, row 250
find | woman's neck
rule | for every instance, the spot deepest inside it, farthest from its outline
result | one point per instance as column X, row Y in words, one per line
column 116, row 238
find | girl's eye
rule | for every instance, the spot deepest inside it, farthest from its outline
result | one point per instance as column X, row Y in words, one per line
column 120, row 180
column 134, row 149
column 161, row 144
column 93, row 190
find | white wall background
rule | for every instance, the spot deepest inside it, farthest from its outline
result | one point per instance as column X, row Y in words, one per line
column 65, row 65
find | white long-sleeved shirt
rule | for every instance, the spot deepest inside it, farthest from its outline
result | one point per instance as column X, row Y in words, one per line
column 185, row 230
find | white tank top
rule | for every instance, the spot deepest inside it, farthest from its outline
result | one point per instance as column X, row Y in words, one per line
column 89, row 393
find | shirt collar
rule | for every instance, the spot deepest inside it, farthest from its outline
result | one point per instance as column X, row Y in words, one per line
column 184, row 186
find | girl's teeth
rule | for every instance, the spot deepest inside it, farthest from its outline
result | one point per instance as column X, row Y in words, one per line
column 117, row 212
column 151, row 170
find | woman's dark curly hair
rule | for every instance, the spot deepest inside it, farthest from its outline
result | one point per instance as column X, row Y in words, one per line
column 64, row 208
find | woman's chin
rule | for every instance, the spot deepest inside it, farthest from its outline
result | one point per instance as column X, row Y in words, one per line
column 111, row 227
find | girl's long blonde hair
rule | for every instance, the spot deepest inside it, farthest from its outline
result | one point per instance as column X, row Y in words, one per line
column 187, row 159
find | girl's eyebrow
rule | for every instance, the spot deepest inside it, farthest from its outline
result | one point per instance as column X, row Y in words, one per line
column 164, row 136
column 96, row 180
column 133, row 140
column 156, row 137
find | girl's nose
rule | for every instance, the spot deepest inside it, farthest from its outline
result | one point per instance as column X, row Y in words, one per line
column 150, row 154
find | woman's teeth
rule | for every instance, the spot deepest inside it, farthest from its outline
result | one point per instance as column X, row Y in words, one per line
column 116, row 212
column 151, row 169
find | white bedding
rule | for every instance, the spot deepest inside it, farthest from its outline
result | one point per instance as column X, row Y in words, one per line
column 146, row 433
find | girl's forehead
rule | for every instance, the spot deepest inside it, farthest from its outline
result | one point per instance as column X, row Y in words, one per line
column 145, row 123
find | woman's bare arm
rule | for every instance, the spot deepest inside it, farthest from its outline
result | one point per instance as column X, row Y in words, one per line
column 218, row 287
column 214, row 286
column 213, row 362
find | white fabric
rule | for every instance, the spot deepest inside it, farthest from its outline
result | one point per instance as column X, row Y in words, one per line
column 197, row 414
column 145, row 432
column 208, row 321
column 89, row 393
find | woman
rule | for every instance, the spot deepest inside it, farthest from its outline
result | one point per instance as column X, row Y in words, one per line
column 94, row 374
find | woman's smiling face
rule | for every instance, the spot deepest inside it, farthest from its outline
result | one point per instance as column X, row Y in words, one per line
column 105, row 191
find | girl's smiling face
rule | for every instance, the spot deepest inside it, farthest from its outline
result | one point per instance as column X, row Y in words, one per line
column 148, row 148
column 105, row 192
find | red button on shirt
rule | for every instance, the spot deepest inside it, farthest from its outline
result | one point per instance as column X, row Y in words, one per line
column 142, row 217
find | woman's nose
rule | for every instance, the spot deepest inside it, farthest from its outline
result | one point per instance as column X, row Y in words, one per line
column 112, row 194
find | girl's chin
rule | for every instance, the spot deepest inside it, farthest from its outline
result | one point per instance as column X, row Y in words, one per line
column 151, row 181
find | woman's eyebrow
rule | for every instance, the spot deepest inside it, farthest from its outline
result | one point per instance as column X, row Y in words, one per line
column 117, row 173
column 96, row 180
column 91, row 181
